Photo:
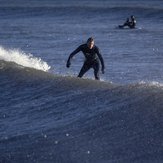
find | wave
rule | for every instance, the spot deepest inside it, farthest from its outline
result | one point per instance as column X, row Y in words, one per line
column 23, row 59
column 113, row 12
column 84, row 3
column 51, row 118
column 84, row 7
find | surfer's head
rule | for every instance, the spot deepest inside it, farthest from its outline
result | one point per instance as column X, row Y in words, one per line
column 90, row 42
column 132, row 17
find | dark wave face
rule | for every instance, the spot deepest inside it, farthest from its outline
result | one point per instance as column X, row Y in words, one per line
column 49, row 118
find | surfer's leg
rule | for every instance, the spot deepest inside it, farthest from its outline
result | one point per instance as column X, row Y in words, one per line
column 96, row 68
column 83, row 70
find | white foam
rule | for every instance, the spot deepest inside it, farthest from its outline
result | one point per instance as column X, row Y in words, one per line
column 152, row 83
column 26, row 60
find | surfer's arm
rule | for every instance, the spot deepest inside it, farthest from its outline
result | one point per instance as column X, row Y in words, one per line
column 101, row 60
column 72, row 54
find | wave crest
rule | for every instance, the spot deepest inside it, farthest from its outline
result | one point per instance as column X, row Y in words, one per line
column 21, row 58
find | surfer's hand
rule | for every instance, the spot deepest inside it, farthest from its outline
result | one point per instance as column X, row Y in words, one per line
column 102, row 70
column 68, row 64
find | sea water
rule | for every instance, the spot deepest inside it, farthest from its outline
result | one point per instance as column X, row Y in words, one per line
column 49, row 115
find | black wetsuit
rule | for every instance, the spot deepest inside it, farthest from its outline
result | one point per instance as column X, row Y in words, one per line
column 132, row 23
column 92, row 57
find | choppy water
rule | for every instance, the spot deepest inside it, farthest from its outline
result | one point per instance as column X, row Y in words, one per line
column 49, row 115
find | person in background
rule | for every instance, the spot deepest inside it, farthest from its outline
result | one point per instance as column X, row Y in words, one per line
column 131, row 23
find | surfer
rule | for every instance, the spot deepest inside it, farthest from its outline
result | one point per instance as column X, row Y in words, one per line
column 129, row 23
column 132, row 22
column 92, row 58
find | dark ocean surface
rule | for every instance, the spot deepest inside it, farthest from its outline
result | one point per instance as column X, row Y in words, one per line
column 47, row 115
